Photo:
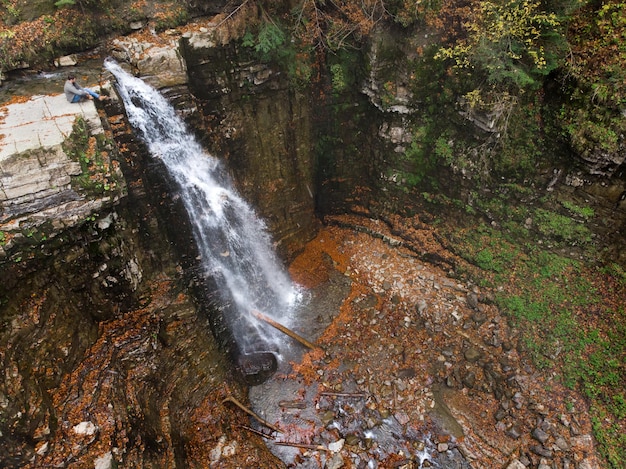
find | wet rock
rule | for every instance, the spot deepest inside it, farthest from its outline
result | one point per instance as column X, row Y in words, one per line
column 84, row 428
column 494, row 340
column 515, row 464
column 541, row 451
column 447, row 351
column 42, row 448
column 479, row 317
column 500, row 414
column 562, row 444
column 230, row 449
column 472, row 354
column 539, row 435
column 582, row 443
column 451, row 382
column 588, row 464
column 543, row 464
column 514, row 432
column 472, row 300
column 216, row 453
column 518, row 400
column 402, row 418
column 407, row 373
column 539, row 408
column 335, row 462
column 328, row 417
column 66, row 61
column 104, row 462
column 336, row 446
column 506, row 364
column 470, row 379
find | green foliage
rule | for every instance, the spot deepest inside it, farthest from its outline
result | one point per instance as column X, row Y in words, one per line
column 10, row 13
column 3, row 238
column 561, row 228
column 170, row 17
column 81, row 3
column 269, row 39
column 507, row 42
column 521, row 146
column 616, row 271
column 405, row 12
column 95, row 177
column 443, row 150
column 584, row 212
column 595, row 85
column 598, row 41
column 523, row 308
column 338, row 78
column 64, row 3
column 589, row 128
column 270, row 44
column 557, row 303
column 420, row 158
column 611, row 439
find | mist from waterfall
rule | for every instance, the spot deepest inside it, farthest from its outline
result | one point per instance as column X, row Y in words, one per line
column 236, row 249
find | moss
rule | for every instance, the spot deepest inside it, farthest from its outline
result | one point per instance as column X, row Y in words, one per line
column 98, row 177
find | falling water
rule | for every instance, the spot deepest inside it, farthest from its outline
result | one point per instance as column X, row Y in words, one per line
column 236, row 250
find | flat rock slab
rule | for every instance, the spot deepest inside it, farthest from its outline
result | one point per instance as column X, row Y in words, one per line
column 41, row 122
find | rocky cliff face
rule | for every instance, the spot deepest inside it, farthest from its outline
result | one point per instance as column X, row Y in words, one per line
column 247, row 114
column 55, row 169
column 255, row 120
column 102, row 344
column 103, row 348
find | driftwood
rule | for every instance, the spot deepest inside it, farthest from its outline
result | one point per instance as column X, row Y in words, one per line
column 281, row 328
column 250, row 429
column 249, row 412
column 343, row 394
column 301, row 445
column 292, row 404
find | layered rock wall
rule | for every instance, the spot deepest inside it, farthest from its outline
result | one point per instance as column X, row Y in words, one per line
column 44, row 190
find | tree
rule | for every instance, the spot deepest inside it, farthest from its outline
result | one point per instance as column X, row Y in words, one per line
column 505, row 41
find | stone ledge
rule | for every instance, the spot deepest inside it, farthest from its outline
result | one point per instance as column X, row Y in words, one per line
column 41, row 122
column 36, row 174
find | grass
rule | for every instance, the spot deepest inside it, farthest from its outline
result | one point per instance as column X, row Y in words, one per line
column 569, row 311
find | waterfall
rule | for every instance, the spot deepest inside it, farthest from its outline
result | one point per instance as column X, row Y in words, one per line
column 235, row 247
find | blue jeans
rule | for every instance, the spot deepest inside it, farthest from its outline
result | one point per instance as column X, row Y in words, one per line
column 78, row 97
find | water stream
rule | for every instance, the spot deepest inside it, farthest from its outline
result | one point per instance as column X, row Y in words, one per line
column 234, row 244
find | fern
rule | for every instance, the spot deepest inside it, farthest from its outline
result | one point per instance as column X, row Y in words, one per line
column 270, row 38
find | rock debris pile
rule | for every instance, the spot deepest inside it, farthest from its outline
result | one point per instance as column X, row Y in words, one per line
column 417, row 369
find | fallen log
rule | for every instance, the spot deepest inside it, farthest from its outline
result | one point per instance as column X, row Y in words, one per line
column 280, row 327
column 250, row 429
column 292, row 404
column 301, row 445
column 249, row 412
column 343, row 394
